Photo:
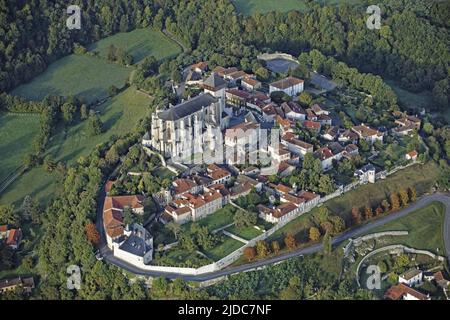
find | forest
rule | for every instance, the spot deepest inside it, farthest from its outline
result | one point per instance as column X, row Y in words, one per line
column 412, row 46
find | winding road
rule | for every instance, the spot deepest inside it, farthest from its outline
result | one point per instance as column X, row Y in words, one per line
column 422, row 202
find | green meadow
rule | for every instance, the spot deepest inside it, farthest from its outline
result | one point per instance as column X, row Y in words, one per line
column 139, row 43
column 120, row 115
column 75, row 75
column 249, row 7
column 17, row 131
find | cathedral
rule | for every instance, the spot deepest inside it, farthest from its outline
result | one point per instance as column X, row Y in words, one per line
column 189, row 131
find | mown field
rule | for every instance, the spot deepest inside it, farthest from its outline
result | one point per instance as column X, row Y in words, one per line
column 425, row 227
column 139, row 43
column 78, row 75
column 17, row 132
column 249, row 7
column 119, row 115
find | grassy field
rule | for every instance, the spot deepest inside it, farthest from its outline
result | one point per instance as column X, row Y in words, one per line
column 218, row 219
column 225, row 248
column 422, row 177
column 119, row 115
column 78, row 75
column 424, row 227
column 246, row 233
column 249, row 7
column 139, row 43
column 17, row 132
column 410, row 99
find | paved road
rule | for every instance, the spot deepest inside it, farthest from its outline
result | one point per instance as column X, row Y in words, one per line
column 440, row 197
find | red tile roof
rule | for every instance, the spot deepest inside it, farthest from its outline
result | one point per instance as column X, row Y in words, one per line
column 183, row 185
column 398, row 291
column 14, row 237
column 4, row 228
column 311, row 124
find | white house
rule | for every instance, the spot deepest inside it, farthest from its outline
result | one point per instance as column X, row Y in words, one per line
column 135, row 247
column 291, row 86
column 411, row 277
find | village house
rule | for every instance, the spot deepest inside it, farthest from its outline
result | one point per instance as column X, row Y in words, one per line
column 318, row 110
column 291, row 86
column 331, row 133
column 218, row 174
column 136, row 245
column 293, row 111
column 113, row 208
column 403, row 292
column 257, row 101
column 236, row 76
column 348, row 136
column 310, row 115
column 366, row 174
column 250, row 84
column 200, row 67
column 277, row 214
column 295, row 145
column 407, row 125
column 412, row 155
column 326, row 157
column 27, row 284
column 279, row 154
column 222, row 72
column 311, row 125
column 237, row 97
column 407, row 120
column 193, row 207
column 180, row 186
column 12, row 237
column 367, row 133
column 411, row 277
column 291, row 203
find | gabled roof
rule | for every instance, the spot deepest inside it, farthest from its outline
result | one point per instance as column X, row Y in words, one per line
column 283, row 209
column 251, row 82
column 286, row 83
column 183, row 185
column 311, row 124
column 366, row 131
column 188, row 107
column 214, row 82
column 398, row 291
column 14, row 237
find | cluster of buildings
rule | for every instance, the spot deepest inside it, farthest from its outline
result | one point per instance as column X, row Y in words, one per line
column 129, row 242
column 409, row 281
column 201, row 194
column 11, row 236
column 224, row 140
